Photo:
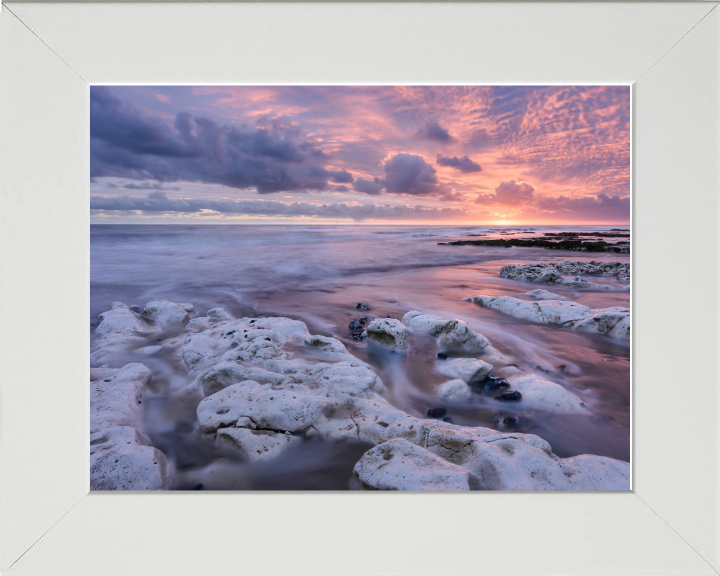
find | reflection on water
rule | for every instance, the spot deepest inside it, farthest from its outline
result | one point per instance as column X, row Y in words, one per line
column 318, row 274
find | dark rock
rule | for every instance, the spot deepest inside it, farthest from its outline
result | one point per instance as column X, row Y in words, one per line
column 356, row 324
column 136, row 308
column 492, row 384
column 357, row 329
column 541, row 369
column 198, row 487
column 511, row 396
column 362, row 306
column 442, row 356
column 437, row 412
column 512, row 421
column 561, row 368
column 447, row 419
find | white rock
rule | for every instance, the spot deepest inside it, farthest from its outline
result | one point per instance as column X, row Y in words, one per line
column 545, row 395
column 198, row 324
column 544, row 312
column 119, row 329
column 189, row 308
column 467, row 369
column 347, row 378
column 501, row 461
column 256, row 445
column 457, row 336
column 285, row 329
column 419, row 323
column 561, row 311
column 329, row 348
column 227, row 373
column 254, row 346
column 541, row 294
column 218, row 315
column 121, row 458
column 613, row 322
column 400, row 465
column 116, row 400
column 197, row 350
column 388, row 332
column 121, row 319
column 621, row 330
column 213, row 317
column 164, row 313
column 378, row 421
column 454, row 391
column 249, row 404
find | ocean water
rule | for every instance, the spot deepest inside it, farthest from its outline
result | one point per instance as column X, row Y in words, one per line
column 318, row 274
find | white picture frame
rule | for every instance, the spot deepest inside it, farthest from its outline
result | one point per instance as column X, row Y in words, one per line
column 49, row 522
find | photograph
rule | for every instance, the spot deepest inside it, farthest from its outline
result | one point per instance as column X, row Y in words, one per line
column 360, row 287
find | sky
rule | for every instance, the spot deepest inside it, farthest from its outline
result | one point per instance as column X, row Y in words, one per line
column 360, row 154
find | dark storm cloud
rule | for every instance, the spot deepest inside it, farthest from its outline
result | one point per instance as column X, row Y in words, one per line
column 372, row 187
column 410, row 174
column 463, row 164
column 158, row 202
column 433, row 131
column 405, row 174
column 128, row 143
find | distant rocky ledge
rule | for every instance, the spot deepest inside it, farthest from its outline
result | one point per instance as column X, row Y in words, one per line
column 614, row 233
column 570, row 243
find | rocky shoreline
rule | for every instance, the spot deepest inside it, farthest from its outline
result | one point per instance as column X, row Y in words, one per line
column 551, row 273
column 613, row 322
column 259, row 385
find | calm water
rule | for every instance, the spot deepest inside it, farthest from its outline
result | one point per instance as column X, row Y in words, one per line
column 318, row 274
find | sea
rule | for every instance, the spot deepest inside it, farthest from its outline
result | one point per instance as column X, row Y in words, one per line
column 319, row 274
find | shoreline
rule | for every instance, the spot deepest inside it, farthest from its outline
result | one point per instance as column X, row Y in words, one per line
column 201, row 337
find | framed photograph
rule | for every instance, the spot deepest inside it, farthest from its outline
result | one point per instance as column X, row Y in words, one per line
column 330, row 251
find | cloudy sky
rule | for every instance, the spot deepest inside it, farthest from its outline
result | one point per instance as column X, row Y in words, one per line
column 360, row 154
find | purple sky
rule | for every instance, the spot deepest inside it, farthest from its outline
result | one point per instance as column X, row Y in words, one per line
column 372, row 154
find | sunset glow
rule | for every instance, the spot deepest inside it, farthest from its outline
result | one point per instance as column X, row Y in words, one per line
column 361, row 154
